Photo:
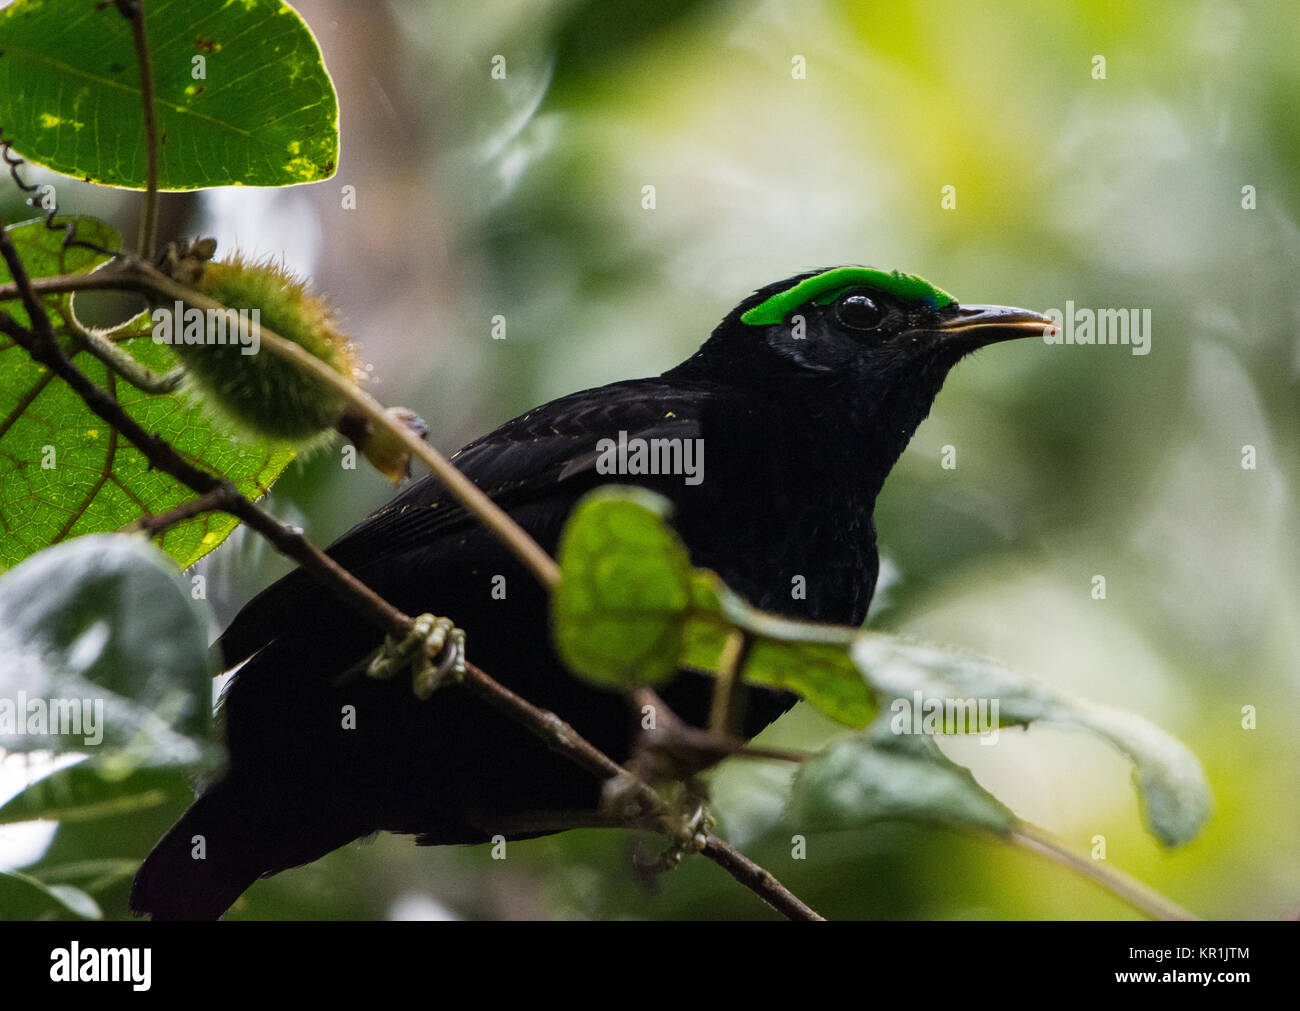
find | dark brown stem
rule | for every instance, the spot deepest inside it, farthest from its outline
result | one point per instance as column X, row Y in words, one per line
column 137, row 276
column 555, row 732
column 44, row 349
column 133, row 11
column 563, row 738
column 758, row 880
column 22, row 284
column 157, row 523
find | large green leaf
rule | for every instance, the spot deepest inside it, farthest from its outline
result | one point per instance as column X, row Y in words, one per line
column 1176, row 800
column 630, row 609
column 625, row 590
column 103, row 651
column 263, row 114
column 799, row 656
column 879, row 774
column 63, row 472
column 42, row 251
column 87, row 791
column 22, row 897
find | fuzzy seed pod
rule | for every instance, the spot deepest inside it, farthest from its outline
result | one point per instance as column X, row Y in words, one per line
column 251, row 385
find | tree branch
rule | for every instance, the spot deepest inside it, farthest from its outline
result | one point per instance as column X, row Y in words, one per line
column 758, row 880
column 125, row 364
column 133, row 11
column 220, row 493
column 217, row 493
column 563, row 738
column 154, row 524
column 140, row 277
column 44, row 349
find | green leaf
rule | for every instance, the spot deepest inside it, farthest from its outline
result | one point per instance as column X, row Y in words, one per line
column 63, row 472
column 803, row 657
column 264, row 113
column 590, row 36
column 620, row 609
column 86, row 791
column 879, row 774
column 43, row 254
column 22, row 897
column 630, row 609
column 104, row 652
column 1175, row 797
column 91, row 875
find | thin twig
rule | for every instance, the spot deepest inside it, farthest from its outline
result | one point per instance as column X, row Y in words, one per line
column 558, row 734
column 562, row 737
column 759, row 881
column 133, row 11
column 62, row 284
column 44, row 349
column 549, row 727
column 158, row 523
column 140, row 277
column 1141, row 897
column 126, row 365
column 22, row 283
column 162, row 456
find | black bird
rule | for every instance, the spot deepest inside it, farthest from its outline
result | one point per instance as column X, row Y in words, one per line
column 804, row 397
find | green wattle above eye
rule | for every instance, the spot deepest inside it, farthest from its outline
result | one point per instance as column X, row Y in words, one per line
column 828, row 285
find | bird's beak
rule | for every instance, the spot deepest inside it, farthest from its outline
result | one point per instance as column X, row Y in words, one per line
column 978, row 325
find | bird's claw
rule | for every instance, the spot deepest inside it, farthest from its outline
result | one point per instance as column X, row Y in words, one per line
column 689, row 833
column 435, row 650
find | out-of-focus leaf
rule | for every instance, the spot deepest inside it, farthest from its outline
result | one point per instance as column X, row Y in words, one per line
column 620, row 609
column 1175, row 797
column 879, row 774
column 91, row 875
column 242, row 96
column 594, row 35
column 102, row 650
column 630, row 609
column 799, row 656
column 24, row 898
column 86, row 791
column 63, row 472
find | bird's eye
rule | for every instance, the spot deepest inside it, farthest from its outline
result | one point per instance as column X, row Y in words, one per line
column 858, row 311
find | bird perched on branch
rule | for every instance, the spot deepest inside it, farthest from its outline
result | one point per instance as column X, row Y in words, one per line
column 804, row 397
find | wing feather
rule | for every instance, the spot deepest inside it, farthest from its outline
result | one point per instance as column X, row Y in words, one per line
column 547, row 453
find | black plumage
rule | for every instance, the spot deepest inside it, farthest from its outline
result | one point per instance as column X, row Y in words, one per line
column 801, row 418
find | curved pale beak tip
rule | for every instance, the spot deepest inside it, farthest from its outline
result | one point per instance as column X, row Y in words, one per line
column 988, row 324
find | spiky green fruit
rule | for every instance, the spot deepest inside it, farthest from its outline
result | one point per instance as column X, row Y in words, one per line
column 248, row 383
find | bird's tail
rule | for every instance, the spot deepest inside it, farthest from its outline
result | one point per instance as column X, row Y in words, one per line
column 201, row 866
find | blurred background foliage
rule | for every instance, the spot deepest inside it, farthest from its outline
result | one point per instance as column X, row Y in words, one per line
column 523, row 197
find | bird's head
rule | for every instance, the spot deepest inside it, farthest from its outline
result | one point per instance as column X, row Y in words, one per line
column 855, row 328
column 859, row 353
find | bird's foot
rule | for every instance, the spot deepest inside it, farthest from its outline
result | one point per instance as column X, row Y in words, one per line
column 688, row 832
column 434, row 649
